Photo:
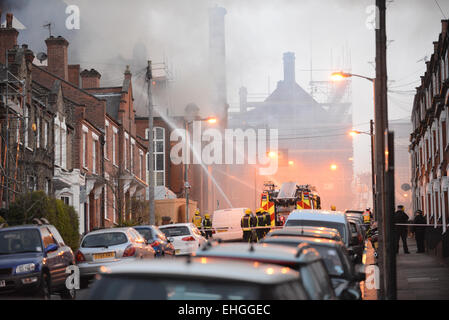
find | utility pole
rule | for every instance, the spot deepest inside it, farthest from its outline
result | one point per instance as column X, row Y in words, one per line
column 150, row 147
column 383, row 191
column 373, row 166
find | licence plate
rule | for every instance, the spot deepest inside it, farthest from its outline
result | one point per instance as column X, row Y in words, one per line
column 2, row 283
column 222, row 230
column 104, row 255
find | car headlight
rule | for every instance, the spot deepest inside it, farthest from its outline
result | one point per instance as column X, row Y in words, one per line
column 25, row 268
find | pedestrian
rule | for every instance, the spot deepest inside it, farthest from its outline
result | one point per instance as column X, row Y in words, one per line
column 267, row 216
column 245, row 223
column 400, row 217
column 207, row 226
column 419, row 231
column 260, row 224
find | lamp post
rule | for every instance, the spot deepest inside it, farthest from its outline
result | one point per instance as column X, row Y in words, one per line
column 353, row 133
column 339, row 76
column 187, row 186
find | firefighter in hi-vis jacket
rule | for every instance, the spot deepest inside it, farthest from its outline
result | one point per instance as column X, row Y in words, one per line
column 247, row 223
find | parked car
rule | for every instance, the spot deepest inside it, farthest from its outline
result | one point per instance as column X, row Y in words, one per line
column 323, row 218
column 359, row 219
column 190, row 278
column 185, row 237
column 315, row 232
column 358, row 241
column 305, row 259
column 157, row 239
column 226, row 224
column 345, row 279
column 109, row 246
column 33, row 260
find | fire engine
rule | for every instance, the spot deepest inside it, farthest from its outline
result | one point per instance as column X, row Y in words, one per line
column 280, row 202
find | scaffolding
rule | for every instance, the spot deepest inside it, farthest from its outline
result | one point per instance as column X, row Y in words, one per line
column 12, row 129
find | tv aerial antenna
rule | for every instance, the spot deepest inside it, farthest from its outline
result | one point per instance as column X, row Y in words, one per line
column 48, row 26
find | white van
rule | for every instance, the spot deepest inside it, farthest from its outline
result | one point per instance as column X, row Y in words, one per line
column 226, row 223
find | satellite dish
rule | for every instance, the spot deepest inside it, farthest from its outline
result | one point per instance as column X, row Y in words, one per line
column 406, row 187
column 41, row 56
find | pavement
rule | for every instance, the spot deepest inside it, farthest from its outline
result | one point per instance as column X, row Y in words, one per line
column 368, row 259
column 420, row 276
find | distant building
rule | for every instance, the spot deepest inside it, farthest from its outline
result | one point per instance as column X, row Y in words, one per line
column 312, row 137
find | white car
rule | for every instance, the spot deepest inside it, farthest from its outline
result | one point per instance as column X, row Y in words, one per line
column 185, row 237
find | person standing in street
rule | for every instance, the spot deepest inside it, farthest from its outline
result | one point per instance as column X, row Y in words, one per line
column 260, row 224
column 247, row 223
column 207, row 226
column 419, row 231
column 400, row 217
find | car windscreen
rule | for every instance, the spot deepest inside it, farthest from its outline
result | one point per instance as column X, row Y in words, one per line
column 145, row 232
column 330, row 256
column 108, row 239
column 126, row 287
column 331, row 259
column 175, row 231
column 312, row 223
column 20, row 241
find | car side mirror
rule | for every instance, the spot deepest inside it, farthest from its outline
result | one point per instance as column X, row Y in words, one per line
column 51, row 247
column 170, row 240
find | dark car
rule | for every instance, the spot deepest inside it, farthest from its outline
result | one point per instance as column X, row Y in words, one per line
column 33, row 260
column 358, row 241
column 342, row 272
column 305, row 259
column 157, row 239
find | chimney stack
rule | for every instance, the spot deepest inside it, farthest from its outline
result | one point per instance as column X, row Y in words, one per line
column 289, row 67
column 90, row 79
column 128, row 73
column 58, row 56
column 8, row 37
column 444, row 25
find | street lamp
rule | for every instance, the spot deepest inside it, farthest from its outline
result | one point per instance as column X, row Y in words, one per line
column 354, row 133
column 187, row 186
column 334, row 167
column 339, row 76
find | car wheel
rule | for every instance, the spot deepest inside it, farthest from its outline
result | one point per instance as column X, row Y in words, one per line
column 44, row 288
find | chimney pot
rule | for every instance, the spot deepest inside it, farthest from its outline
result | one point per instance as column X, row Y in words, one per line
column 90, row 79
column 9, row 18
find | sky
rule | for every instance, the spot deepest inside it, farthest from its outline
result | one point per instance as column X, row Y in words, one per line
column 322, row 34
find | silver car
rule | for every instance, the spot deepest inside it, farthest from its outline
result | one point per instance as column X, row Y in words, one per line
column 109, row 246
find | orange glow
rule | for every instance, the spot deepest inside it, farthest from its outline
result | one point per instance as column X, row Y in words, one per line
column 212, row 120
column 405, row 195
column 272, row 154
column 290, row 163
column 269, row 271
column 333, row 167
column 338, row 76
column 256, row 264
column 284, row 270
column 353, row 133
column 351, row 159
column 203, row 260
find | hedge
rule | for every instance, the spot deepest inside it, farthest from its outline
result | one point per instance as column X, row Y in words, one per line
column 38, row 205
